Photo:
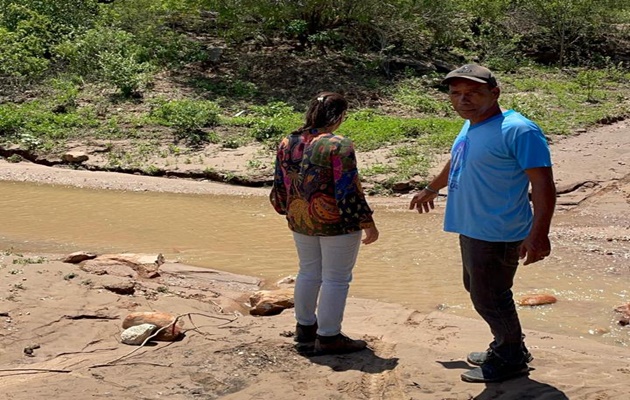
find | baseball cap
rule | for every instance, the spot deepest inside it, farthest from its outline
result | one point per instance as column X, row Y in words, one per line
column 472, row 72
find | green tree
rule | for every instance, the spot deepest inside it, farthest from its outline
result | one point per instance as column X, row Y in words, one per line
column 111, row 55
column 565, row 22
column 24, row 40
column 66, row 16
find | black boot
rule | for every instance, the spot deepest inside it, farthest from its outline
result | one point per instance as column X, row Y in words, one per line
column 338, row 344
column 305, row 333
column 480, row 357
column 495, row 370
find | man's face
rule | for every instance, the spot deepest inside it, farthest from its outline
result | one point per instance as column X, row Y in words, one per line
column 472, row 100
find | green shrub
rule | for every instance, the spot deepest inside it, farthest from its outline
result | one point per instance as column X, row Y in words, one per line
column 439, row 133
column 65, row 92
column 34, row 125
column 370, row 130
column 23, row 46
column 187, row 118
column 156, row 26
column 107, row 54
column 591, row 81
column 226, row 88
column 268, row 129
column 124, row 72
column 29, row 30
column 10, row 120
column 414, row 93
column 568, row 27
column 412, row 165
column 272, row 121
column 14, row 158
column 231, row 143
column 272, row 110
column 66, row 16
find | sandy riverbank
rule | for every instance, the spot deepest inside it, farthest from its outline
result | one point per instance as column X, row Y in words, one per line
column 76, row 325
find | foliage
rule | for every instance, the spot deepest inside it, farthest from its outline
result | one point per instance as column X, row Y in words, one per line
column 561, row 101
column 23, row 46
column 412, row 165
column 272, row 121
column 107, row 54
column 34, row 125
column 10, row 121
column 65, row 92
column 368, row 25
column 64, row 16
column 187, row 117
column 413, row 94
column 121, row 42
column 566, row 25
column 14, row 158
column 30, row 28
column 123, row 71
column 590, row 80
column 371, row 130
column 153, row 25
column 234, row 89
column 57, row 56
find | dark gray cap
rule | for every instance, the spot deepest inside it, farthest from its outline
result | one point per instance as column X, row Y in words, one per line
column 472, row 72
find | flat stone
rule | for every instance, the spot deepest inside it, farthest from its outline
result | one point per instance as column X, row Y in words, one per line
column 77, row 257
column 136, row 335
column 75, row 157
column 118, row 285
column 159, row 319
column 537, row 300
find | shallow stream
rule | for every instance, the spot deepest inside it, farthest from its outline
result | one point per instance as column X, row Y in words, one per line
column 414, row 263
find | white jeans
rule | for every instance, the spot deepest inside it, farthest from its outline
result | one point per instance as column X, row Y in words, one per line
column 326, row 264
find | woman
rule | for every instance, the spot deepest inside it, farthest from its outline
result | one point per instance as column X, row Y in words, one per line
column 316, row 185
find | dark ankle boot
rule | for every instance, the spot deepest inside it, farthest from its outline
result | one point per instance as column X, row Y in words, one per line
column 305, row 333
column 338, row 344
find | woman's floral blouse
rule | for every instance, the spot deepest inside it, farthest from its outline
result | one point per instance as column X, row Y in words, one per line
column 316, row 185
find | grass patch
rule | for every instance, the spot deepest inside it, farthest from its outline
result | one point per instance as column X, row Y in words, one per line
column 267, row 124
column 411, row 163
column 226, row 90
column 37, row 125
column 187, row 118
column 563, row 101
column 370, row 130
column 418, row 95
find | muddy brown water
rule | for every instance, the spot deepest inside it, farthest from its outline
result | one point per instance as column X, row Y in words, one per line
column 414, row 263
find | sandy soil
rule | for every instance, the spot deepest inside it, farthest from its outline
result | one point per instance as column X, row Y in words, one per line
column 70, row 324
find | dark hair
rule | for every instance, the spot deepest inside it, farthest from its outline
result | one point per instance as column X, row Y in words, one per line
column 324, row 110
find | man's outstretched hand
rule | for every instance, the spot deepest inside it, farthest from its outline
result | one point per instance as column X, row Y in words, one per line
column 423, row 201
column 534, row 248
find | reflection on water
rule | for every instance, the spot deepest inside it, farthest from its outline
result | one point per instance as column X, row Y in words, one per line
column 414, row 262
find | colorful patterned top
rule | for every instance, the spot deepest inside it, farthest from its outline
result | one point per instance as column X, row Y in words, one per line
column 316, row 185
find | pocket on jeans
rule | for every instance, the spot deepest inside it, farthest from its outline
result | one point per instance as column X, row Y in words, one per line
column 510, row 255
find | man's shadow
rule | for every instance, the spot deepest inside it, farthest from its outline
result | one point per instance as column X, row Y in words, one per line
column 521, row 388
column 365, row 360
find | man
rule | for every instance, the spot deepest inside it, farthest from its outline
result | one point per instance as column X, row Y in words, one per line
column 496, row 156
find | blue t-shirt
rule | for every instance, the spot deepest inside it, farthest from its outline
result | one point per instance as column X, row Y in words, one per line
column 487, row 183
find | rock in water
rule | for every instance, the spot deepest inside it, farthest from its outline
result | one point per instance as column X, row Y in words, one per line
column 537, row 300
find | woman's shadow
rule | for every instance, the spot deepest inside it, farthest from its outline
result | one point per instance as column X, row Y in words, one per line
column 365, row 360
